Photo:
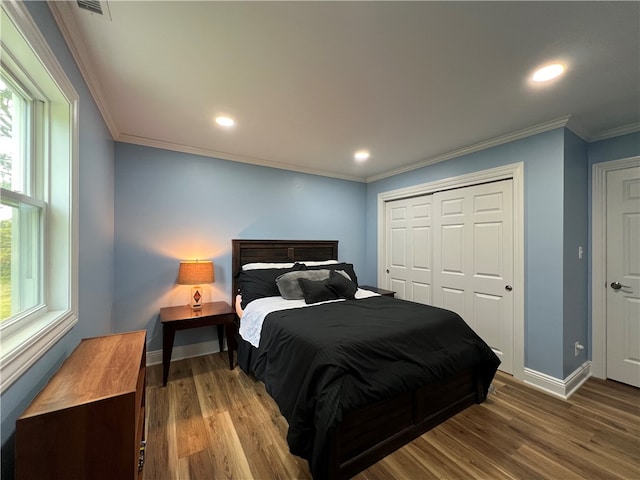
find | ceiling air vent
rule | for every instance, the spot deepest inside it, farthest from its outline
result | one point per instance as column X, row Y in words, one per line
column 91, row 5
column 99, row 7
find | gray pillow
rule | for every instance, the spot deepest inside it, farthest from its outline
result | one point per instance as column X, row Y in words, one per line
column 289, row 286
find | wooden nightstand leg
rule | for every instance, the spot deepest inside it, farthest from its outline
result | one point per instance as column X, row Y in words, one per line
column 220, row 337
column 231, row 342
column 168, row 335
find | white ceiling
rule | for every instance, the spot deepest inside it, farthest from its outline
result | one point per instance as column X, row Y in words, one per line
column 311, row 82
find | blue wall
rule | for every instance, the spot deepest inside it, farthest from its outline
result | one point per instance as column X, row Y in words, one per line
column 172, row 206
column 576, row 234
column 96, row 215
column 617, row 148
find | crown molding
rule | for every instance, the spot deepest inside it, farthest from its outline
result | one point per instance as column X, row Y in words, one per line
column 150, row 142
column 615, row 132
column 476, row 147
column 63, row 16
column 603, row 135
column 578, row 130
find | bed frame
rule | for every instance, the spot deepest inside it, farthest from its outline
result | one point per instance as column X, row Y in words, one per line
column 370, row 433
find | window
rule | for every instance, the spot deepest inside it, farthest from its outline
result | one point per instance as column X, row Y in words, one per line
column 38, row 230
column 22, row 209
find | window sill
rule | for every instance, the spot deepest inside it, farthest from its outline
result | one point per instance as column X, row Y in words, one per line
column 21, row 349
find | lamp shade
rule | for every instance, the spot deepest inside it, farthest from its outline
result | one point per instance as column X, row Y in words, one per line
column 195, row 273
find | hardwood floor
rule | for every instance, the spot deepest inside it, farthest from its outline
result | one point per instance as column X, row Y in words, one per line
column 213, row 423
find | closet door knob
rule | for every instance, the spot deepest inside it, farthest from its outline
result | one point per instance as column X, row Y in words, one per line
column 618, row 285
column 508, row 288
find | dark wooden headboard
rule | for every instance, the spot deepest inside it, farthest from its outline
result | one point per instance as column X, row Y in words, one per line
column 249, row 251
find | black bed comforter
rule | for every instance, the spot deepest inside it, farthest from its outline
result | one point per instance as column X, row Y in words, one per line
column 320, row 362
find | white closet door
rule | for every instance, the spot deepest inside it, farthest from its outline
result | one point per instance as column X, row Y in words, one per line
column 473, row 261
column 623, row 275
column 408, row 252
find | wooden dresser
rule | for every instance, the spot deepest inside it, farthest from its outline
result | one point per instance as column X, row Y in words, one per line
column 89, row 420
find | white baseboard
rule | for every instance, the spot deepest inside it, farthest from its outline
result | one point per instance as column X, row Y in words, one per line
column 185, row 351
column 554, row 386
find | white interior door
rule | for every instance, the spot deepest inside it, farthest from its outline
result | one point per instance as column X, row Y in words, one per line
column 473, row 261
column 623, row 275
column 408, row 241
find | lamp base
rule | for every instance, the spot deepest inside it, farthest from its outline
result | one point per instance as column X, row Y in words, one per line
column 196, row 298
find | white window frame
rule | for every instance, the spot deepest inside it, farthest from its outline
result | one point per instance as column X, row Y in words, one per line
column 24, row 340
column 30, row 192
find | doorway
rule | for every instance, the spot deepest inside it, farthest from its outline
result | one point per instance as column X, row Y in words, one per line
column 616, row 271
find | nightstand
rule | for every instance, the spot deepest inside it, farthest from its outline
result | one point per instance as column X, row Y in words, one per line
column 183, row 317
column 381, row 291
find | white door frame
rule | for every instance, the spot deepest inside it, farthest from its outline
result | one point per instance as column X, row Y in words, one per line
column 599, row 261
column 515, row 171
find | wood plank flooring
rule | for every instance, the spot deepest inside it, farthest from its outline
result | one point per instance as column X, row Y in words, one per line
column 213, row 423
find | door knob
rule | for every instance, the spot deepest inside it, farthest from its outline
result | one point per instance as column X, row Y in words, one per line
column 618, row 285
column 387, row 270
column 508, row 288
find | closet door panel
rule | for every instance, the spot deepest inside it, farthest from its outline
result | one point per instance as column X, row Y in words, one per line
column 473, row 261
column 409, row 248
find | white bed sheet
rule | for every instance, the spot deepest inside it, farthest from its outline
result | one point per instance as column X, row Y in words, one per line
column 254, row 314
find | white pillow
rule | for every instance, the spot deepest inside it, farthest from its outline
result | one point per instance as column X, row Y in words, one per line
column 322, row 262
column 259, row 266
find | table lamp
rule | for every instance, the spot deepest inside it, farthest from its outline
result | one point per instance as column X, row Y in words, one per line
column 195, row 273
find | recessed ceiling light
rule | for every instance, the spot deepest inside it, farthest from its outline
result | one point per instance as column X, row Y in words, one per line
column 361, row 155
column 548, row 72
column 225, row 121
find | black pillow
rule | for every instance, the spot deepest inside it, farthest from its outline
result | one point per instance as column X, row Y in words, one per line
column 289, row 287
column 347, row 267
column 343, row 287
column 260, row 283
column 316, row 290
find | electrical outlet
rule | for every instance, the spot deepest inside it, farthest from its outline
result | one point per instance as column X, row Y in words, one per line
column 577, row 347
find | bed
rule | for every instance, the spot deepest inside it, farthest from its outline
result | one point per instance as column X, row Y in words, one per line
column 351, row 394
